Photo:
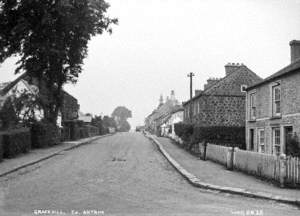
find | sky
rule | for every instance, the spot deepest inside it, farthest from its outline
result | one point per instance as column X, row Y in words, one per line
column 158, row 42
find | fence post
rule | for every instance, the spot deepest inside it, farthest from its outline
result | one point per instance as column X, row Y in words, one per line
column 229, row 158
column 204, row 152
column 282, row 169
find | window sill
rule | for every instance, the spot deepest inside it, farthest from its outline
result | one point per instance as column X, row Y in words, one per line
column 252, row 120
column 276, row 117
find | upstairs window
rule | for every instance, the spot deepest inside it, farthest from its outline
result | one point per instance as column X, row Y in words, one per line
column 252, row 105
column 276, row 97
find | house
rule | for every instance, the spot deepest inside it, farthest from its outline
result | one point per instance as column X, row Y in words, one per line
column 85, row 118
column 24, row 83
column 176, row 117
column 273, row 108
column 155, row 122
column 222, row 102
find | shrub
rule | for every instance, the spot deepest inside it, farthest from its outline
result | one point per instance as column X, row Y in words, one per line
column 44, row 134
column 15, row 142
column 293, row 146
column 1, row 147
column 184, row 130
column 220, row 135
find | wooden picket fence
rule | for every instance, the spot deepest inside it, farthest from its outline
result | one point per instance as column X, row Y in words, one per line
column 293, row 170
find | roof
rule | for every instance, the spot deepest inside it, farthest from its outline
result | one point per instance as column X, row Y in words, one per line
column 7, row 86
column 283, row 72
column 230, row 85
column 10, row 85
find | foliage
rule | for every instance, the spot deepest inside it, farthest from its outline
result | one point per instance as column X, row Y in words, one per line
column 98, row 122
column 109, row 122
column 121, row 114
column 227, row 136
column 124, row 126
column 15, row 142
column 44, row 134
column 293, row 146
column 51, row 39
column 27, row 107
column 184, row 130
column 219, row 135
column 8, row 115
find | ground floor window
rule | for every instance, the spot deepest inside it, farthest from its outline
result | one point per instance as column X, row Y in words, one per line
column 276, row 140
column 261, row 141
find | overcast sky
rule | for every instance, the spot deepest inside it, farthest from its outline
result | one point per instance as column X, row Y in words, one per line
column 157, row 42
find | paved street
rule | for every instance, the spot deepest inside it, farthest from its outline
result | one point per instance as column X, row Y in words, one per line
column 121, row 174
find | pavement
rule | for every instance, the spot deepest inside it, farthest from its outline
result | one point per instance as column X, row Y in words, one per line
column 123, row 174
column 210, row 175
column 8, row 166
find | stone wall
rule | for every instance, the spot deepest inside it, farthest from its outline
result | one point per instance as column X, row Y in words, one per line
column 217, row 110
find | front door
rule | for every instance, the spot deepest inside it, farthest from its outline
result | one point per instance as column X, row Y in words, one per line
column 288, row 134
column 251, row 140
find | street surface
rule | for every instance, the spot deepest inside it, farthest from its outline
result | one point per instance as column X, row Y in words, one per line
column 123, row 174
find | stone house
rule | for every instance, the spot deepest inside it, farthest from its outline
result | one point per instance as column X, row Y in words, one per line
column 222, row 102
column 273, row 108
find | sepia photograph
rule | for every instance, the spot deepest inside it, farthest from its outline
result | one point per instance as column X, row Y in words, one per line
column 149, row 107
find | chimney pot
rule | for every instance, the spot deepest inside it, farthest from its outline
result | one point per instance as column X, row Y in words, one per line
column 295, row 50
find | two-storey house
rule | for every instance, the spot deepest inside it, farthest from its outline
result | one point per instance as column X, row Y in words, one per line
column 273, row 108
column 222, row 102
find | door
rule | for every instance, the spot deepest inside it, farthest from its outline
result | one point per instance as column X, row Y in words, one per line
column 251, row 139
column 288, row 145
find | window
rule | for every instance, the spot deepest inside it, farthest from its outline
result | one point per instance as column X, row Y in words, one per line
column 243, row 88
column 276, row 141
column 252, row 106
column 276, row 96
column 261, row 141
column 198, row 107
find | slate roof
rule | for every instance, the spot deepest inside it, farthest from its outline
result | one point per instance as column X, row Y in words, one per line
column 283, row 72
column 230, row 85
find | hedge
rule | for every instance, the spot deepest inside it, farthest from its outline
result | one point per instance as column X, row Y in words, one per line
column 44, row 134
column 1, row 147
column 219, row 135
column 15, row 142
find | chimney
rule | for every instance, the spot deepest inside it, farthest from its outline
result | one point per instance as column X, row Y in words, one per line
column 172, row 95
column 210, row 82
column 197, row 92
column 295, row 50
column 161, row 100
column 231, row 67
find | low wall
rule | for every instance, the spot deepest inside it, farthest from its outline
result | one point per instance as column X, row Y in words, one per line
column 217, row 153
column 259, row 164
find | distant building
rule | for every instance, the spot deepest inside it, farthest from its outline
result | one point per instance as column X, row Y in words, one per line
column 222, row 102
column 273, row 108
column 175, row 117
column 161, row 114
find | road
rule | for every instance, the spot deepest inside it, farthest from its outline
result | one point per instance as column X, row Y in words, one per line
column 123, row 174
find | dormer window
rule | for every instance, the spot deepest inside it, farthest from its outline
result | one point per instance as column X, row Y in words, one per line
column 243, row 88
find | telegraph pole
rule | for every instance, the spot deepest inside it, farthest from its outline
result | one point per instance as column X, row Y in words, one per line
column 190, row 75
